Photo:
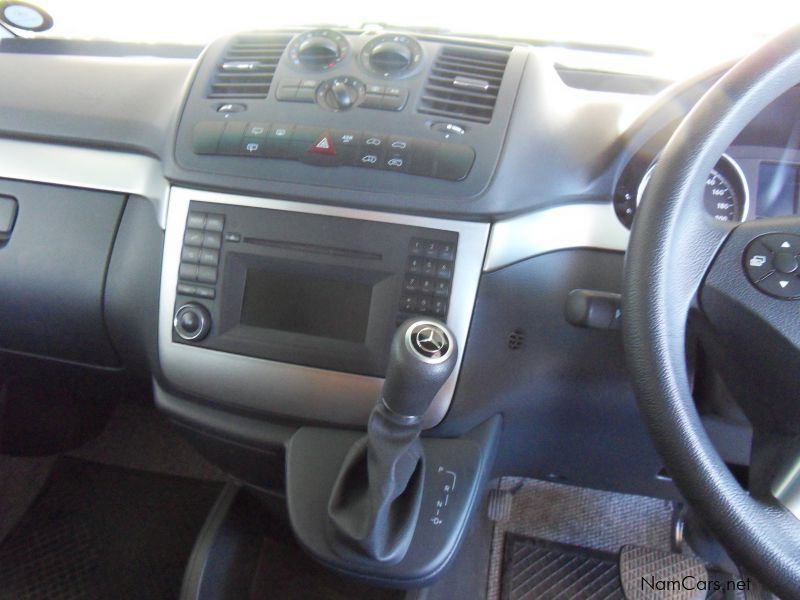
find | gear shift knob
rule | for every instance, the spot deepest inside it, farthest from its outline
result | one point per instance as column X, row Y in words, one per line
column 422, row 357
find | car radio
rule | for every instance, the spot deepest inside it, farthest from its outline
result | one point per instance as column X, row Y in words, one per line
column 315, row 290
column 286, row 306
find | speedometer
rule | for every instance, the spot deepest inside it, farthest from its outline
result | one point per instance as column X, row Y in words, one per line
column 726, row 197
column 720, row 199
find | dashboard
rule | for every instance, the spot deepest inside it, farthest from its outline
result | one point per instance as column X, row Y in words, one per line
column 247, row 224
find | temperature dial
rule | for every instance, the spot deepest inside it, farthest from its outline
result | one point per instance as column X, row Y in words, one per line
column 318, row 50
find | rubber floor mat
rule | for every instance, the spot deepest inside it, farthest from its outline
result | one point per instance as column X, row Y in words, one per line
column 104, row 532
column 542, row 570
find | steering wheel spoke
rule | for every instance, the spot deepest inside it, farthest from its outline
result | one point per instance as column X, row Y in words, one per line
column 751, row 300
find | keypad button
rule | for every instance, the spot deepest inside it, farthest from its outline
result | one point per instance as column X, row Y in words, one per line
column 431, row 249
column 411, row 283
column 417, row 246
column 444, row 270
column 425, row 304
column 426, row 285
column 429, row 267
column 447, row 251
column 408, row 303
column 439, row 307
column 415, row 264
column 441, row 289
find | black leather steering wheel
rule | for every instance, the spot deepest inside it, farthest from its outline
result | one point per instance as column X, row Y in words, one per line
column 684, row 267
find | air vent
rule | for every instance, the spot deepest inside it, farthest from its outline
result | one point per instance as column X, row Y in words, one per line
column 464, row 83
column 248, row 66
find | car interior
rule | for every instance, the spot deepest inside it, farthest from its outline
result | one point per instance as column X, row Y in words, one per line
column 329, row 303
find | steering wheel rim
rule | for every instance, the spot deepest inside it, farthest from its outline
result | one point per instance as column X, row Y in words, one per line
column 673, row 245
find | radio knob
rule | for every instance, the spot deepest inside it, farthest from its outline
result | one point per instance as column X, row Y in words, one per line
column 192, row 322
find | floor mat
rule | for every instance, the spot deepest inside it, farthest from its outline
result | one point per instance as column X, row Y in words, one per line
column 579, row 517
column 541, row 570
column 97, row 531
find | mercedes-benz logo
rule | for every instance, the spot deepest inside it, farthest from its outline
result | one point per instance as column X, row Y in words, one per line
column 430, row 341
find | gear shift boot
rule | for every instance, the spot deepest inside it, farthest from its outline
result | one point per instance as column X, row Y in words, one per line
column 375, row 502
column 379, row 490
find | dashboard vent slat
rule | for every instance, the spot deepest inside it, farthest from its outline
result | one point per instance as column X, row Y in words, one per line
column 248, row 65
column 464, row 83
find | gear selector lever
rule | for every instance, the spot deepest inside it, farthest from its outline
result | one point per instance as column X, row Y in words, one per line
column 375, row 502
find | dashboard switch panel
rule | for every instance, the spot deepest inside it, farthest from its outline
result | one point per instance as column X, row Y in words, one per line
column 335, row 148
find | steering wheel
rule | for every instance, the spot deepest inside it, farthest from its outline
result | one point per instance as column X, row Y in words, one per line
column 683, row 267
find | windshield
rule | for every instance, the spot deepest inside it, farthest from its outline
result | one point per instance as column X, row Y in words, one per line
column 682, row 35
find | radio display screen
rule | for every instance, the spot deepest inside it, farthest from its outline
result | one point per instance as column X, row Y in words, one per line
column 306, row 304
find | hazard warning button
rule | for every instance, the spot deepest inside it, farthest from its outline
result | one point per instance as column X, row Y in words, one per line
column 323, row 145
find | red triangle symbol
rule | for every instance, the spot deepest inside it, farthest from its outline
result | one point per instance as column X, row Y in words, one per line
column 324, row 145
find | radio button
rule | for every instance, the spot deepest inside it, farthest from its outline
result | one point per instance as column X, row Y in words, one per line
column 190, row 254
column 212, row 240
column 209, row 257
column 187, row 290
column 196, row 220
column 205, row 292
column 215, row 223
column 206, row 274
column 187, row 272
column 193, row 237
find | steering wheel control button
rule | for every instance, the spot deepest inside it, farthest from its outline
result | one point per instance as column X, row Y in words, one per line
column 192, row 322
column 785, row 262
column 772, row 266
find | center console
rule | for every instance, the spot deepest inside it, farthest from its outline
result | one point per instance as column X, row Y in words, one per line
column 288, row 309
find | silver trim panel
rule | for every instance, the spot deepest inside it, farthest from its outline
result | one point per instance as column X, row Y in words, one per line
column 86, row 168
column 559, row 228
column 296, row 391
